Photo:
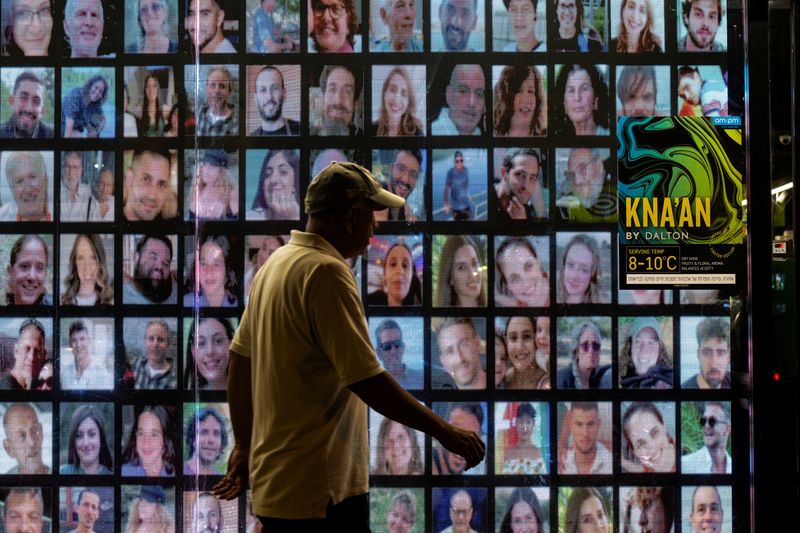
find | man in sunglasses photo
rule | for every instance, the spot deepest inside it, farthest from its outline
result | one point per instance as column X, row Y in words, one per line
column 390, row 348
column 712, row 457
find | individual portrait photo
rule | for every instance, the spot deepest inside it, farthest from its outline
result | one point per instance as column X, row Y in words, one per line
column 203, row 512
column 211, row 184
column 86, row 509
column 458, row 353
column 150, row 96
column 644, row 296
column 647, row 437
column 274, row 108
column 207, row 438
column 272, row 27
column 460, row 182
column 646, row 352
column 28, row 275
column 396, row 26
column 457, row 25
column 27, row 435
column 583, row 352
column 649, row 509
column 27, row 28
column 459, row 509
column 334, row 26
column 585, row 437
column 257, row 249
column 394, row 270
column 706, row 437
column 708, row 508
column 522, row 509
column 212, row 26
column 89, row 29
column 471, row 416
column 151, row 26
column 705, row 352
column 26, row 193
column 147, row 508
column 150, row 269
column 26, row 507
column 87, row 101
column 637, row 26
column 272, row 184
column 702, row 26
column 399, row 344
column 149, row 440
column 519, row 106
column 395, row 449
column 398, row 101
column 586, row 186
column 702, row 91
column 206, row 356
column 27, row 103
column 522, row 373
column 580, row 100
column 459, row 107
column 213, row 110
column 86, row 275
column 521, row 185
column 584, row 509
column 335, row 106
column 86, row 353
column 522, row 352
column 212, row 274
column 87, row 439
column 151, row 346
column 26, row 360
column 397, row 509
column 150, row 185
column 580, row 26
column 521, row 438
column 402, row 172
column 522, row 271
column 460, row 273
column 519, row 26
column 584, row 268
column 87, row 186
column 643, row 90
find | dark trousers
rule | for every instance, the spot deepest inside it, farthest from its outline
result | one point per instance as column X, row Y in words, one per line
column 350, row 515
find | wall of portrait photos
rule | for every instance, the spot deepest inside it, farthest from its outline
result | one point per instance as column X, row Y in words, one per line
column 154, row 154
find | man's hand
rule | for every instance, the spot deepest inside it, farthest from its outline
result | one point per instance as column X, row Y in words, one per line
column 465, row 443
column 236, row 479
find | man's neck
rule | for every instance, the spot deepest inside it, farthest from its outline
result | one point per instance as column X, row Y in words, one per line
column 23, row 380
column 129, row 214
column 273, row 125
column 158, row 366
column 399, row 46
column 213, row 44
column 32, row 466
column 691, row 46
column 567, row 33
column 719, row 459
column 80, row 368
column 585, row 460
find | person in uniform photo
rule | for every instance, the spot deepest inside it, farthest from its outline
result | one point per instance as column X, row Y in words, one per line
column 23, row 511
column 465, row 96
column 27, row 103
column 204, row 20
column 29, row 181
column 340, row 89
column 24, row 436
column 269, row 96
column 152, row 281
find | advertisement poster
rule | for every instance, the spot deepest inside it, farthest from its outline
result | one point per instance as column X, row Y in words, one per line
column 680, row 194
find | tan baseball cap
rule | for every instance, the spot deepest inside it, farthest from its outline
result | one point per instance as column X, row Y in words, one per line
column 340, row 184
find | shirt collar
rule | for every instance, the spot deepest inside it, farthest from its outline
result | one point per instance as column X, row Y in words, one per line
column 312, row 240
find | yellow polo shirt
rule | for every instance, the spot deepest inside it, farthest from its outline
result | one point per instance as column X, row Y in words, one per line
column 307, row 339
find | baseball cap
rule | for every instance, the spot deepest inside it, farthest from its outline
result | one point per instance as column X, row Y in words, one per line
column 340, row 184
column 646, row 322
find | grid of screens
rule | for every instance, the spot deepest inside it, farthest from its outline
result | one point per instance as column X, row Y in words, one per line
column 142, row 184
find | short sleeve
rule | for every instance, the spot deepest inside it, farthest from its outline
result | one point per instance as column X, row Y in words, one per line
column 337, row 319
column 241, row 343
column 71, row 106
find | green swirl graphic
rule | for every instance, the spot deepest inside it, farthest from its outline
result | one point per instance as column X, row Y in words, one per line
column 677, row 158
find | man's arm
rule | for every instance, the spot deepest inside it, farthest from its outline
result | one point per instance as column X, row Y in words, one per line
column 383, row 394
column 240, row 400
